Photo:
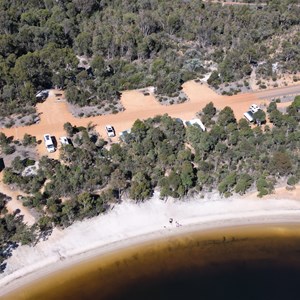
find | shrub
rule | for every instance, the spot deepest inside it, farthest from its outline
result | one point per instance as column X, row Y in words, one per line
column 8, row 149
column 292, row 180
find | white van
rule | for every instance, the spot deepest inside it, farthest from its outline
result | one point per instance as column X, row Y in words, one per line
column 49, row 143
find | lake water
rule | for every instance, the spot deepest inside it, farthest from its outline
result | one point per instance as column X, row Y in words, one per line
column 257, row 262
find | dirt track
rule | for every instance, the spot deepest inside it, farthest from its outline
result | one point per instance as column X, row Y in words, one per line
column 55, row 113
column 234, row 3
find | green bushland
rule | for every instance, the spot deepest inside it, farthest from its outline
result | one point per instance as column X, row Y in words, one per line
column 133, row 44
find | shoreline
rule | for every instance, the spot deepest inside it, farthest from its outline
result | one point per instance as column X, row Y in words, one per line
column 130, row 225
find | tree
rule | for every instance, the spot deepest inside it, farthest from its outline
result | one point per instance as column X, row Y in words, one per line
column 29, row 140
column 214, row 79
column 30, row 68
column 69, row 129
column 227, row 183
column 86, row 204
column 118, row 181
column 139, row 130
column 209, row 110
column 140, row 187
column 259, row 117
column 294, row 109
column 3, row 139
column 281, row 163
column 226, row 116
column 86, row 7
column 296, row 102
column 276, row 117
column 83, row 42
column 244, row 182
column 293, row 180
column 272, row 106
column 243, row 124
column 98, row 65
column 45, row 223
column 264, row 186
column 17, row 164
column 187, row 175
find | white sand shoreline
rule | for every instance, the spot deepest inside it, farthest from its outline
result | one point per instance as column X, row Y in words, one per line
column 131, row 224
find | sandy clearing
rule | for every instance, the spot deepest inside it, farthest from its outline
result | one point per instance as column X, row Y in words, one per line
column 284, row 104
column 54, row 113
column 14, row 204
column 130, row 224
column 135, row 101
column 280, row 193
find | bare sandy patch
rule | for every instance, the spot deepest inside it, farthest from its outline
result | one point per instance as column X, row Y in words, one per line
column 136, row 101
column 14, row 204
column 281, row 192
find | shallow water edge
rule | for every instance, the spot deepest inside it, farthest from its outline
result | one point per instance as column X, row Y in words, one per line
column 156, row 265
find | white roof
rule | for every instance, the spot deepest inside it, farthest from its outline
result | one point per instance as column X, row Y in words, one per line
column 196, row 122
column 248, row 116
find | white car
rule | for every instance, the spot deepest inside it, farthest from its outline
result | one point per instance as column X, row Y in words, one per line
column 64, row 140
column 110, row 131
column 254, row 108
column 49, row 143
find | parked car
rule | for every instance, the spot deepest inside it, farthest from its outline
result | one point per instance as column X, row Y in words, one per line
column 254, row 108
column 64, row 140
column 49, row 143
column 110, row 131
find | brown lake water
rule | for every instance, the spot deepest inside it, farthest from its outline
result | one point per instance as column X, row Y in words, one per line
column 256, row 262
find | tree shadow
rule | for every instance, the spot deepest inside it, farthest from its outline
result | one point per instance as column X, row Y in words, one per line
column 54, row 140
column 2, row 267
column 43, row 235
column 10, row 139
column 7, row 253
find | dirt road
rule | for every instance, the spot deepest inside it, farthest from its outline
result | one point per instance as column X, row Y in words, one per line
column 241, row 3
column 54, row 113
column 278, row 92
column 234, row 3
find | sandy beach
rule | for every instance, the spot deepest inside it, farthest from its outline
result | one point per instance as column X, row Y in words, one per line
column 131, row 224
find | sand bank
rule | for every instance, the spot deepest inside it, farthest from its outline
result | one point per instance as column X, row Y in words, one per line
column 129, row 224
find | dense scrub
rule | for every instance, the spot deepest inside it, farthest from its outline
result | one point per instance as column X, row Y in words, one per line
column 160, row 153
column 130, row 44
column 13, row 231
